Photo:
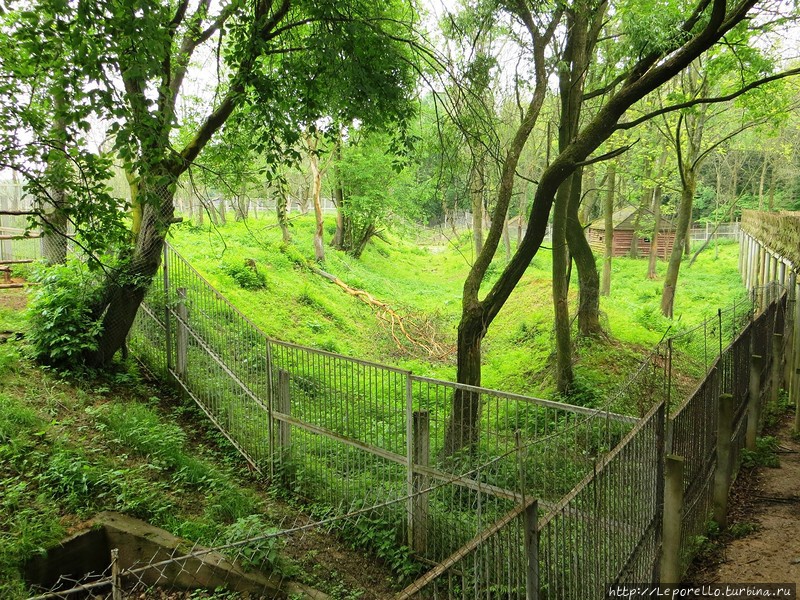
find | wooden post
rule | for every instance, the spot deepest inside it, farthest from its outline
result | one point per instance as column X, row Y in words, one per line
column 116, row 584
column 167, row 312
column 796, row 358
column 722, row 473
column 6, row 249
column 531, row 524
column 420, row 505
column 776, row 371
column 753, row 401
column 763, row 258
column 182, row 336
column 790, row 331
column 284, row 406
column 673, row 515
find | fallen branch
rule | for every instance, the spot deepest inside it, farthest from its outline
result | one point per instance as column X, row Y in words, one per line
column 421, row 336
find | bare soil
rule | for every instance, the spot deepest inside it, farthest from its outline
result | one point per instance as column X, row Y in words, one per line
column 768, row 501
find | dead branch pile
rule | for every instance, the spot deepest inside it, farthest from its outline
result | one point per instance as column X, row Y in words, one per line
column 421, row 334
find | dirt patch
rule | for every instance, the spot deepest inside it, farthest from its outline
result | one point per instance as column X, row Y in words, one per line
column 768, row 501
column 14, row 298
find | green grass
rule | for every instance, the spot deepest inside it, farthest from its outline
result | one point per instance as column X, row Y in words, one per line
column 421, row 278
column 71, row 449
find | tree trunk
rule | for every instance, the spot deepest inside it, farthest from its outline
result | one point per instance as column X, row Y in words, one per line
column 608, row 213
column 282, row 209
column 656, row 208
column 241, row 206
column 681, row 232
column 463, row 426
column 561, row 260
column 506, row 240
column 54, row 217
column 477, row 188
column 338, row 196
column 316, row 190
column 581, row 251
column 125, row 287
column 653, row 259
column 590, row 195
column 199, row 210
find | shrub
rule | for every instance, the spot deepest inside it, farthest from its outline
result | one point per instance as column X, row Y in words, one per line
column 246, row 275
column 63, row 326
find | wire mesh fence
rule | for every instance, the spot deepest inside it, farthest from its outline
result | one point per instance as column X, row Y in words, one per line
column 494, row 494
column 350, row 433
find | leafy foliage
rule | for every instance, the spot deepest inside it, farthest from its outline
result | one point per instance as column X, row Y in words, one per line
column 63, row 324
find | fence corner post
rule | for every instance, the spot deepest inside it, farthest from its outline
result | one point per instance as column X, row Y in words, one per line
column 182, row 336
column 420, row 456
column 531, row 524
column 722, row 473
column 753, row 401
column 671, row 522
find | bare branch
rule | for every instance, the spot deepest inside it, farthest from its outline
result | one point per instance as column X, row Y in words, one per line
column 715, row 100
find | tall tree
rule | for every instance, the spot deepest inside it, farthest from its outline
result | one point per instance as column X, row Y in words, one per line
column 651, row 61
column 295, row 60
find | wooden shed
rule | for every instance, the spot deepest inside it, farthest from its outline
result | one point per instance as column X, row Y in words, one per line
column 625, row 221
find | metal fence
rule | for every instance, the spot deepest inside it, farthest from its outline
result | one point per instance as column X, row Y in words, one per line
column 349, row 433
column 534, row 499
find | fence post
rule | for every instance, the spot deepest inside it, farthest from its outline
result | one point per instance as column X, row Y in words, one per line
column 182, row 335
column 775, row 375
column 116, row 587
column 284, row 406
column 420, row 456
column 531, row 524
column 796, row 356
column 722, row 473
column 167, row 332
column 790, row 331
column 671, row 524
column 410, row 525
column 753, row 400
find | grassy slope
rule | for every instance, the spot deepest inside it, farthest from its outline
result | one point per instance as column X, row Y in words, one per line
column 70, row 449
column 423, row 277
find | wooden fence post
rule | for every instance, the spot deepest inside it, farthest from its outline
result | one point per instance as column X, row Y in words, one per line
column 753, row 400
column 284, row 406
column 775, row 372
column 671, row 524
column 167, row 312
column 116, row 584
column 182, row 336
column 420, row 504
column 722, row 473
column 531, row 524
column 790, row 334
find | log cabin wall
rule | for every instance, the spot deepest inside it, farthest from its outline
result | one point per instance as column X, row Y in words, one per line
column 623, row 239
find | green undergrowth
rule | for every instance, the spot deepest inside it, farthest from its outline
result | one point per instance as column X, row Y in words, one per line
column 70, row 449
column 420, row 275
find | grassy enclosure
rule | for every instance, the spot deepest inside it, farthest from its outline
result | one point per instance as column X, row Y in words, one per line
column 421, row 279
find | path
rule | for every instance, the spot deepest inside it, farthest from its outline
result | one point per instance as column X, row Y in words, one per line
column 771, row 554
